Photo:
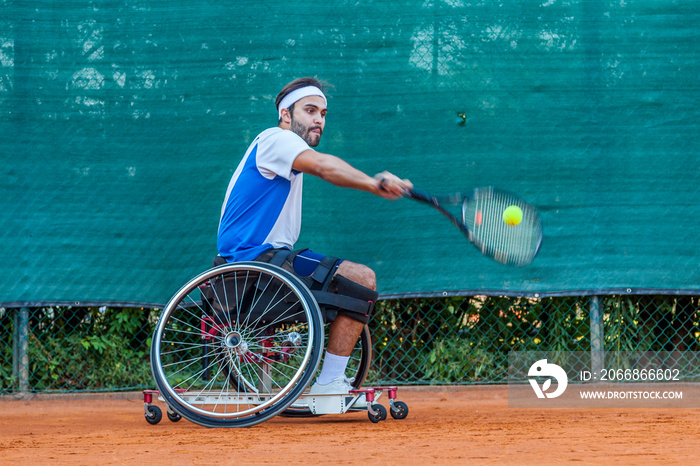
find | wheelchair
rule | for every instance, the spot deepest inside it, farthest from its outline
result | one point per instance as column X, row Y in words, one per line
column 240, row 343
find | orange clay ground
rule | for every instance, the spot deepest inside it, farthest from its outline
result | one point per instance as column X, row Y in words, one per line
column 445, row 425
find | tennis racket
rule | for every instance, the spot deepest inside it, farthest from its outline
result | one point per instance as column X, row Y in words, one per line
column 490, row 221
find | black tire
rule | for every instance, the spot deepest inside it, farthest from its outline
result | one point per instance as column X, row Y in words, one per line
column 173, row 417
column 153, row 414
column 359, row 365
column 264, row 339
column 380, row 413
column 402, row 410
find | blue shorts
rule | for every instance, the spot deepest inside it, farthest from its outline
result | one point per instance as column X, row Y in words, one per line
column 306, row 262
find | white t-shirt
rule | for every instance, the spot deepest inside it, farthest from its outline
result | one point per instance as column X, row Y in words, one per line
column 262, row 208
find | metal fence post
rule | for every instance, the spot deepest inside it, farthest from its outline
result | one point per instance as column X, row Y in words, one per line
column 15, row 344
column 597, row 336
column 20, row 349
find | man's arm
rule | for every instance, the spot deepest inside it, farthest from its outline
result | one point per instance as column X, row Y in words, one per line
column 340, row 173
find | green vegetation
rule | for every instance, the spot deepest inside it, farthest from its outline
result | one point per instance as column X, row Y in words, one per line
column 415, row 341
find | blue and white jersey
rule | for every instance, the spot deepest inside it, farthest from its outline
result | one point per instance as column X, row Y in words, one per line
column 262, row 208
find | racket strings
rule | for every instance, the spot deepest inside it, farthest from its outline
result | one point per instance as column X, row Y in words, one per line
column 508, row 244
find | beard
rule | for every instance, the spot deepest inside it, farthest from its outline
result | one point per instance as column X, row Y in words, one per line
column 304, row 132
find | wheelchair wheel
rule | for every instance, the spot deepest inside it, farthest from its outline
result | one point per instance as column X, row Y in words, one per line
column 360, row 359
column 237, row 345
column 358, row 367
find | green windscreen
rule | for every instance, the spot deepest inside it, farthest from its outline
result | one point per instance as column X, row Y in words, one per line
column 121, row 123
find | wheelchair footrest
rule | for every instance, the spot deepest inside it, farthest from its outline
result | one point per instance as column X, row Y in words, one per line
column 332, row 403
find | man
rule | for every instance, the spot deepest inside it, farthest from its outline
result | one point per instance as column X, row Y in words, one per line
column 262, row 209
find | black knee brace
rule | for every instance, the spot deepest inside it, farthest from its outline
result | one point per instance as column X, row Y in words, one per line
column 334, row 293
column 348, row 298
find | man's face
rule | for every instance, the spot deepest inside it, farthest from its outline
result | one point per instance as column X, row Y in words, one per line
column 309, row 119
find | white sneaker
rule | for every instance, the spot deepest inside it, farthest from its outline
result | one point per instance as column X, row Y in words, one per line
column 340, row 386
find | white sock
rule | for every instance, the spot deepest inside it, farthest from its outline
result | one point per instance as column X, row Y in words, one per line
column 333, row 367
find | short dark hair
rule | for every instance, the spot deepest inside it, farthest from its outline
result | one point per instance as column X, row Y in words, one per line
column 298, row 84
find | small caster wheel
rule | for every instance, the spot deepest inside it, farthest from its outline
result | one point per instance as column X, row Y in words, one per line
column 153, row 415
column 174, row 417
column 380, row 413
column 401, row 410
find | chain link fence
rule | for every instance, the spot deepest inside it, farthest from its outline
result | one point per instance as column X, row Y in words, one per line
column 452, row 340
column 466, row 340
column 67, row 349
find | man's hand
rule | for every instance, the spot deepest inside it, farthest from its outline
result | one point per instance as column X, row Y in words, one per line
column 391, row 186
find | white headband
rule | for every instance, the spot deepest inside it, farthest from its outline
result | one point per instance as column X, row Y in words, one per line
column 298, row 94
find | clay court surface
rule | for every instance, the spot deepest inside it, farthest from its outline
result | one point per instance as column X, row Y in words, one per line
column 453, row 425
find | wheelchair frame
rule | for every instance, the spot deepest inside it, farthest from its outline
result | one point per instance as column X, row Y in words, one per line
column 239, row 344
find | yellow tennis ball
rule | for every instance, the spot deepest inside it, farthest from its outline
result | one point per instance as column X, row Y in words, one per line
column 513, row 215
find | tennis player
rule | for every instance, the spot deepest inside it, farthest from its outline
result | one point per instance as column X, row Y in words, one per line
column 262, row 208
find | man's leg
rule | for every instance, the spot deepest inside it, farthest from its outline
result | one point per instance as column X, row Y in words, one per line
column 344, row 331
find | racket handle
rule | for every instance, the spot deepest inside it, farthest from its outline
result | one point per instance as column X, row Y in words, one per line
column 382, row 186
column 419, row 195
